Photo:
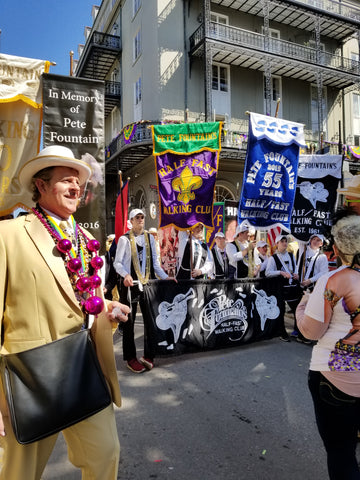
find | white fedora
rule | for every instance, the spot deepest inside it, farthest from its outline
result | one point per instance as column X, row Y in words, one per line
column 352, row 188
column 53, row 156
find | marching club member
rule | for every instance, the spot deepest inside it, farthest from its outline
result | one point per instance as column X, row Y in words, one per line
column 202, row 262
column 221, row 261
column 136, row 261
column 261, row 258
column 110, row 275
column 312, row 264
column 44, row 300
column 282, row 264
column 238, row 252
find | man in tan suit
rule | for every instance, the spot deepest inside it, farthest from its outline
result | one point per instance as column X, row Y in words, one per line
column 41, row 303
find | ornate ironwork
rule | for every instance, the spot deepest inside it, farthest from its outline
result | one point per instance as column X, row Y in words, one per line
column 268, row 86
column 207, row 60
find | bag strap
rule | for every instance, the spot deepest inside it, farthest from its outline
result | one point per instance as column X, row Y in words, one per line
column 277, row 261
column 292, row 258
column 313, row 265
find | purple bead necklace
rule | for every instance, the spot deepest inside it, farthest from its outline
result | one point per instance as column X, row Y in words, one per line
column 82, row 266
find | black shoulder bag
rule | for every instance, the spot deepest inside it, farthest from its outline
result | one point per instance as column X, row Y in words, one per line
column 54, row 386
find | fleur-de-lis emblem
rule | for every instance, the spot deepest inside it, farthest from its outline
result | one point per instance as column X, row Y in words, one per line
column 185, row 183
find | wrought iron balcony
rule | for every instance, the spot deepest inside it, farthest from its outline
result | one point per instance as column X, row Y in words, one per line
column 98, row 56
column 123, row 154
column 112, row 96
column 237, row 46
column 337, row 19
column 332, row 7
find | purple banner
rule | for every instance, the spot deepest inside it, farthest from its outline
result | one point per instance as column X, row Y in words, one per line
column 129, row 132
column 186, row 185
column 218, row 220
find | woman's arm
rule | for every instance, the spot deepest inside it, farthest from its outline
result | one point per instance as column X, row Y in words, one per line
column 308, row 326
column 313, row 314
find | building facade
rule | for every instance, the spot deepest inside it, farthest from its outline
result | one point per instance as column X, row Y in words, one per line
column 204, row 60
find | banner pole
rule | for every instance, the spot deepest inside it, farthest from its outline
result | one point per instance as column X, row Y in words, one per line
column 277, row 107
column 191, row 254
column 71, row 53
column 121, row 199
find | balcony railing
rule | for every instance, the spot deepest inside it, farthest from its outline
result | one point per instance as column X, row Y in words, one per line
column 100, row 52
column 234, row 139
column 255, row 41
column 142, row 135
column 334, row 7
column 112, row 96
column 105, row 40
column 112, row 89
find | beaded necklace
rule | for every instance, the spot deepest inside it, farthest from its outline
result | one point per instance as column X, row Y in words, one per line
column 82, row 265
column 135, row 259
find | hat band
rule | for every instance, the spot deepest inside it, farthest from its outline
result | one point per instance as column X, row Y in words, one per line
column 350, row 190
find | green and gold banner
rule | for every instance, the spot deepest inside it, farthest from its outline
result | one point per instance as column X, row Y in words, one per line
column 186, row 164
column 186, row 137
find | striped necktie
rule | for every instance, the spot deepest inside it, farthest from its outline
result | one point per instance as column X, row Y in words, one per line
column 68, row 231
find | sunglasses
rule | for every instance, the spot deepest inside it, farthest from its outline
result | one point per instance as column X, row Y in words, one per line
column 139, row 217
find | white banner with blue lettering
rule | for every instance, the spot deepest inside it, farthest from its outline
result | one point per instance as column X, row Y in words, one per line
column 270, row 174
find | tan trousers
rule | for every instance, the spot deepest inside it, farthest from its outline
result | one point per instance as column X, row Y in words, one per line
column 93, row 446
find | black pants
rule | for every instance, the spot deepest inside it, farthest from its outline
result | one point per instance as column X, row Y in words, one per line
column 129, row 347
column 338, row 420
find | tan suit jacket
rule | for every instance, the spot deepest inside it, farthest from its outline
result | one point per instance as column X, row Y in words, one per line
column 39, row 302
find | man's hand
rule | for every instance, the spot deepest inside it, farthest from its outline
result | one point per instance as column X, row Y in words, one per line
column 285, row 274
column 252, row 245
column 196, row 273
column 128, row 280
column 172, row 278
column 118, row 312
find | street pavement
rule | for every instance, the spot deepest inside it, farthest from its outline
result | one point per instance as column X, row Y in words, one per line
column 241, row 413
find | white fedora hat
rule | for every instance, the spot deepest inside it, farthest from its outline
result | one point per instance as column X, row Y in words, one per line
column 53, row 156
column 352, row 187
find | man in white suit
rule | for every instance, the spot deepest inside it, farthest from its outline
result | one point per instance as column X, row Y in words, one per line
column 41, row 303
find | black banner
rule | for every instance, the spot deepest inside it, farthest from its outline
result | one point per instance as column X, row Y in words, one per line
column 315, row 198
column 74, row 118
column 208, row 314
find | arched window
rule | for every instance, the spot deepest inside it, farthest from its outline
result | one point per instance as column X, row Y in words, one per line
column 223, row 193
column 140, row 199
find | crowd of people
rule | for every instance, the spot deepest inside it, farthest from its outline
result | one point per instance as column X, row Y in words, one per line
column 136, row 259
column 38, row 275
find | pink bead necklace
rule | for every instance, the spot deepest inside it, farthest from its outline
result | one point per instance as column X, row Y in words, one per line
column 82, row 266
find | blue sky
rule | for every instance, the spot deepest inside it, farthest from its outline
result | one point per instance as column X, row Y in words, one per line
column 44, row 29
